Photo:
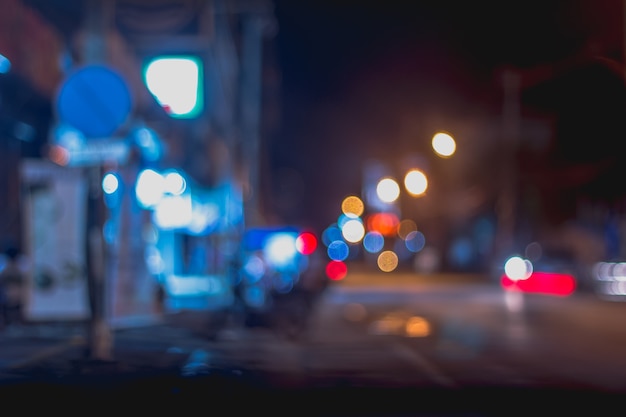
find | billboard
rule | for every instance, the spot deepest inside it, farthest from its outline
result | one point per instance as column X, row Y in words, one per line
column 54, row 203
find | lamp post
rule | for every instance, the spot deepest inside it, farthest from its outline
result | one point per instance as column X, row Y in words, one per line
column 507, row 199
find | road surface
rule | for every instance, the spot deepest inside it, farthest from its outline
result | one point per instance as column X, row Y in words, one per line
column 391, row 336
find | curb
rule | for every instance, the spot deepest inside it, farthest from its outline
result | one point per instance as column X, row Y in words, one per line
column 48, row 352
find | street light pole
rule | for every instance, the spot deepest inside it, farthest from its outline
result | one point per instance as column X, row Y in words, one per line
column 100, row 335
column 507, row 197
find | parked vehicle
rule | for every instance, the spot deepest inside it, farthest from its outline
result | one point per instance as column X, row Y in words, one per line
column 278, row 279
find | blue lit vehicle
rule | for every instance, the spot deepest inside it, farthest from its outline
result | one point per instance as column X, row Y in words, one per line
column 278, row 278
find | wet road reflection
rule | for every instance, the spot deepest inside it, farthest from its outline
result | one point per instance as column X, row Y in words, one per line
column 460, row 335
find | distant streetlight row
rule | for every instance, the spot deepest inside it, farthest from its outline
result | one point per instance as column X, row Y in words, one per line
column 415, row 181
column 351, row 229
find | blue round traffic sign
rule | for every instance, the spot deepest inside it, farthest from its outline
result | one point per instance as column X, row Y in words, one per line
column 95, row 100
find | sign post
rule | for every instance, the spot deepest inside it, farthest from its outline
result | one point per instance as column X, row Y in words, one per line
column 96, row 100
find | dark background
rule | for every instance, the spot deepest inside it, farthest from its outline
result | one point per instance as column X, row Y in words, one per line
column 373, row 79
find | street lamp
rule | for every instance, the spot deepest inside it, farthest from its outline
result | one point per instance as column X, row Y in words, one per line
column 443, row 144
column 415, row 182
column 5, row 64
column 352, row 206
column 388, row 190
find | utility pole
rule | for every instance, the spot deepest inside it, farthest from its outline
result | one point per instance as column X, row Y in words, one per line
column 507, row 197
column 97, row 16
column 250, row 106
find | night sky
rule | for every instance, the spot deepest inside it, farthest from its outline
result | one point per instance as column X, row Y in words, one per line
column 375, row 79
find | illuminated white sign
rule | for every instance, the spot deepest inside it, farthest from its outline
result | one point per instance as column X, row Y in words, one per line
column 93, row 152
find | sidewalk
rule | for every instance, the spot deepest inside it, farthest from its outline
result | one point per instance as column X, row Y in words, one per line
column 59, row 345
column 140, row 344
column 49, row 350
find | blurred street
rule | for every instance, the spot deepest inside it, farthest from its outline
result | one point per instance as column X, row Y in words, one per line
column 325, row 208
column 425, row 334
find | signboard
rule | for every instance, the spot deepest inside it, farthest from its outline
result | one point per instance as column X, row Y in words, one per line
column 54, row 213
column 97, row 152
column 95, row 100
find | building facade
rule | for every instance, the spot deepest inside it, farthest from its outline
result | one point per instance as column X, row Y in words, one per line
column 218, row 151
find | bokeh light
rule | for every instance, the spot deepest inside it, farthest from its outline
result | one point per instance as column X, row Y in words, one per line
column 387, row 261
column 388, row 190
column 342, row 220
column 148, row 142
column 517, row 268
column 405, row 227
column 149, row 188
column 172, row 212
column 331, row 234
column 306, row 243
column 552, row 283
column 443, row 144
column 254, row 268
column 174, row 183
column 336, row 270
column 280, row 249
column 176, row 82
column 373, row 242
column 110, row 183
column 59, row 155
column 109, row 231
column 203, row 216
column 69, row 137
column 353, row 231
column 338, row 250
column 383, row 223
column 352, row 206
column 415, row 241
column 5, row 64
column 610, row 278
column 415, row 182
column 417, row 327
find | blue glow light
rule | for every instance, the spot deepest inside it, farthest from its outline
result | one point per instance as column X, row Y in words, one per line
column 338, row 250
column 343, row 219
column 69, row 137
column 373, row 242
column 149, row 144
column 330, row 234
column 254, row 269
column 5, row 64
column 415, row 241
column 149, row 188
column 280, row 250
column 109, row 231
